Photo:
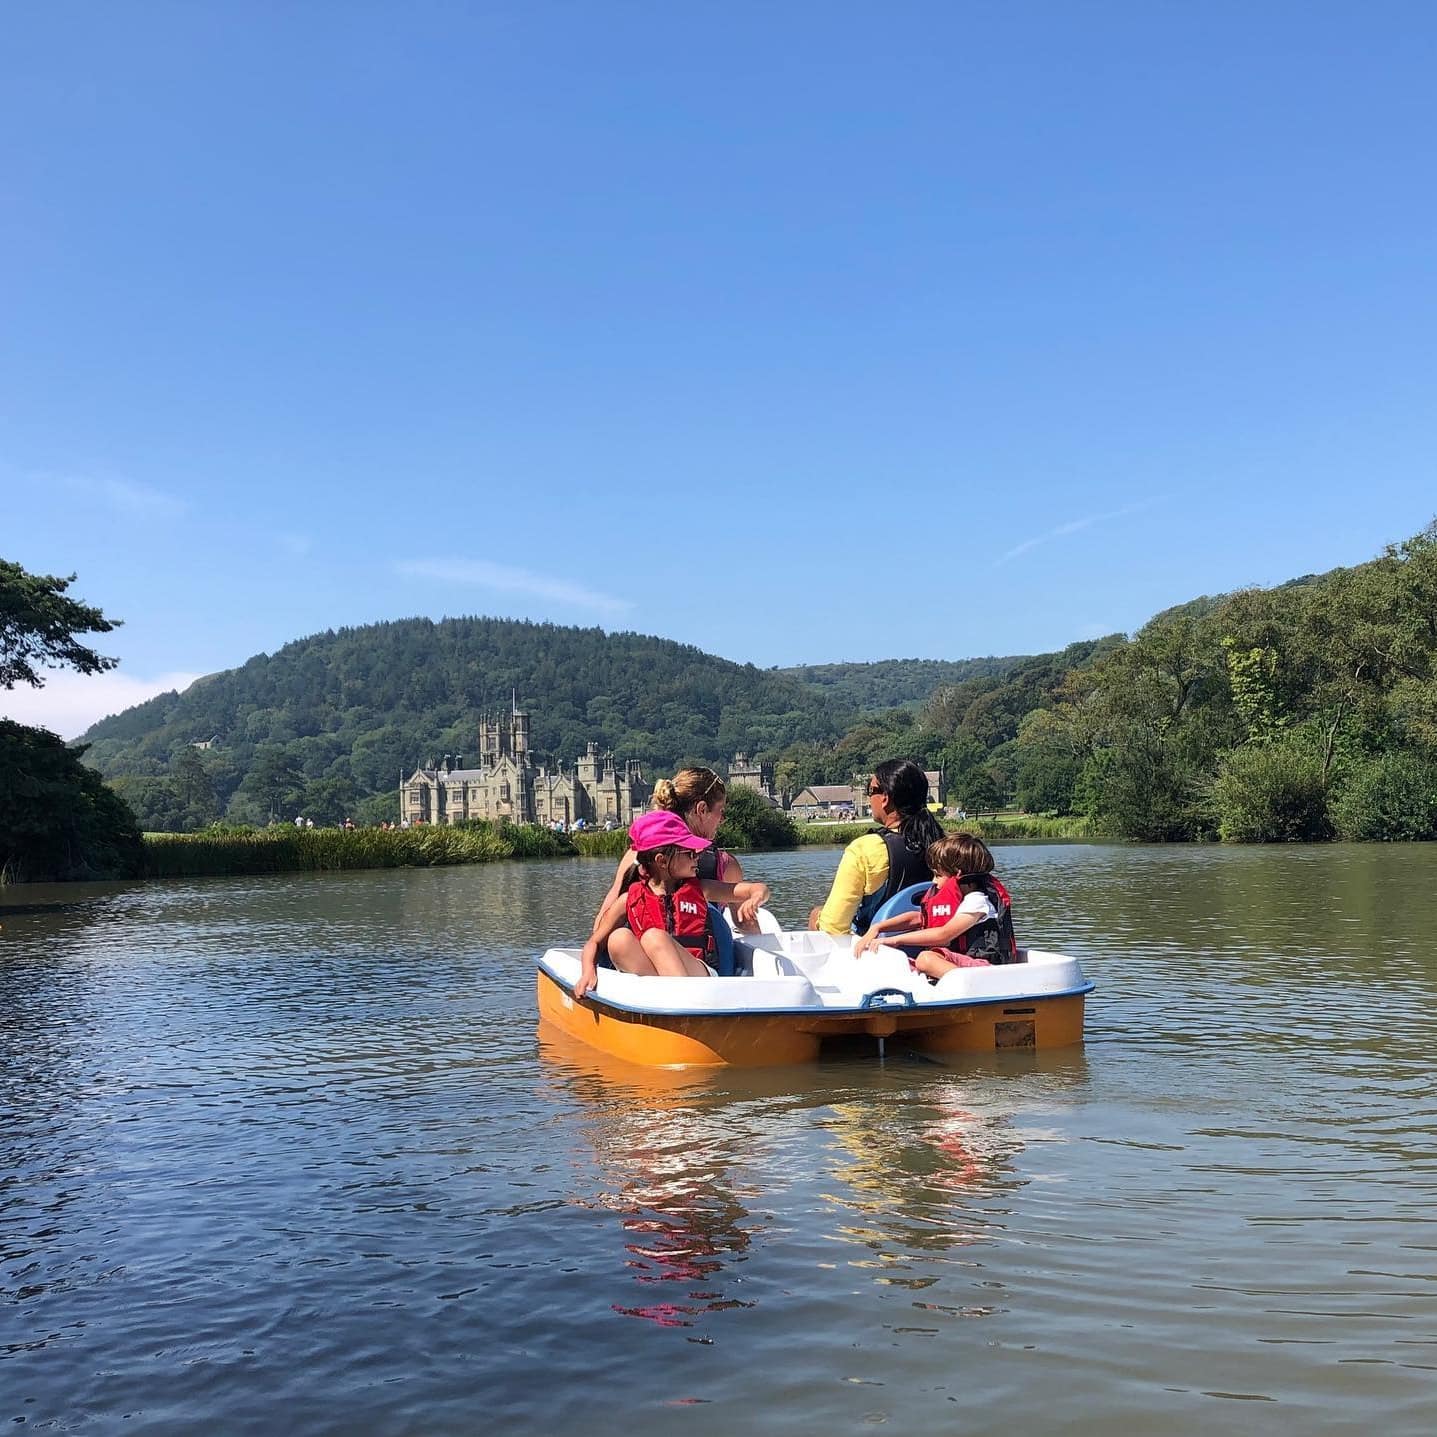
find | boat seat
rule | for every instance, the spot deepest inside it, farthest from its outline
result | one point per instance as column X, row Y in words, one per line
column 774, row 965
column 904, row 901
column 723, row 941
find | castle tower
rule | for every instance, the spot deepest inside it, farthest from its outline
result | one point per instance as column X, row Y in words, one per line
column 519, row 735
column 587, row 767
column 746, row 773
column 490, row 742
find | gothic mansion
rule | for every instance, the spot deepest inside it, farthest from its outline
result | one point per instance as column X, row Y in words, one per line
column 509, row 785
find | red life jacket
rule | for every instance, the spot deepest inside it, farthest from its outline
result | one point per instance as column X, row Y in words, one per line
column 940, row 903
column 684, row 913
column 993, row 938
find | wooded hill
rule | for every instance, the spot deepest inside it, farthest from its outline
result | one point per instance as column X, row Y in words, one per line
column 1296, row 712
column 329, row 722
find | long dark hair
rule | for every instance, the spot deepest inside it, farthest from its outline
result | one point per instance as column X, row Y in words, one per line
column 905, row 785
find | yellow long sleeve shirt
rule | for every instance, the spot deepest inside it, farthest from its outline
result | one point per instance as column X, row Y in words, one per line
column 862, row 870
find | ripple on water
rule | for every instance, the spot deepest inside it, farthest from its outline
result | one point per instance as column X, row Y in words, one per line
column 284, row 1154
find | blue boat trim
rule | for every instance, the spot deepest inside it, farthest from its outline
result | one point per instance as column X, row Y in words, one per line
column 813, row 1009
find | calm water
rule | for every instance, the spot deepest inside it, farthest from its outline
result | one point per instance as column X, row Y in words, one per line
column 287, row 1155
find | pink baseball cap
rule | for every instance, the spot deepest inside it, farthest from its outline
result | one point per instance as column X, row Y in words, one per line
column 661, row 828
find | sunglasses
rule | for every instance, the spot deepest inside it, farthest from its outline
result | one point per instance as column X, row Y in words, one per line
column 874, row 790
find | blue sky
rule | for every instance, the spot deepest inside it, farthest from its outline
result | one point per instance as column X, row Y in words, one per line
column 764, row 327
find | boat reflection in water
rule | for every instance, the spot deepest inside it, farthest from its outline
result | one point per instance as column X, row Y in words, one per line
column 927, row 1174
column 906, row 1171
column 664, row 1150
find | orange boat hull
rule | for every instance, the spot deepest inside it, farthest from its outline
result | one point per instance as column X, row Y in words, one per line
column 749, row 1040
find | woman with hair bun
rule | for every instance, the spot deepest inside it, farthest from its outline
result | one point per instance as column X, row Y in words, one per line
column 875, row 866
column 698, row 796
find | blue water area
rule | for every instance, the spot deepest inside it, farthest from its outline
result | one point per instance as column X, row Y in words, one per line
column 291, row 1154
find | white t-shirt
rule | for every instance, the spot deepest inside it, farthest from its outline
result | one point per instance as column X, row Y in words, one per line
column 979, row 904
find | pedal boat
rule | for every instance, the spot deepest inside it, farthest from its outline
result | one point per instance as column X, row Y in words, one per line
column 786, row 996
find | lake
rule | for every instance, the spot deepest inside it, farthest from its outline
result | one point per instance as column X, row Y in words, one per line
column 288, row 1155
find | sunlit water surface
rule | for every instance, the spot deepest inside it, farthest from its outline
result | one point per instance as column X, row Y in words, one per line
column 288, row 1155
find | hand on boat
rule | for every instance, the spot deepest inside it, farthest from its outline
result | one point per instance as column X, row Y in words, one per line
column 588, row 979
column 862, row 945
column 748, row 909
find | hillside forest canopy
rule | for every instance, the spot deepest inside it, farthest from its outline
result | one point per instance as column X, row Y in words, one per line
column 1305, row 711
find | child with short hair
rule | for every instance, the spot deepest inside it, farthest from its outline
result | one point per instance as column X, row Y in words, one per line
column 659, row 924
column 965, row 919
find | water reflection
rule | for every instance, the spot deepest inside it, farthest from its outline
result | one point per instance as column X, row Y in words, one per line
column 283, row 1154
column 662, row 1151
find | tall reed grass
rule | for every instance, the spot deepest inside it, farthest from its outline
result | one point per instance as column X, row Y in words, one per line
column 598, row 843
column 293, row 850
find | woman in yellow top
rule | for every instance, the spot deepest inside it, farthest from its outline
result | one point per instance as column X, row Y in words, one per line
column 875, row 866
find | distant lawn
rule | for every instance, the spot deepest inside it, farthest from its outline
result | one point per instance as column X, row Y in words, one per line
column 994, row 826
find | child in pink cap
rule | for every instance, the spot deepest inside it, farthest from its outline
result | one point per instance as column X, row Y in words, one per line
column 660, row 924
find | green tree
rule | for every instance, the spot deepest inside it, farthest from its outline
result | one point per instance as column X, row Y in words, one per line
column 58, row 820
column 154, row 802
column 329, row 800
column 39, row 624
column 981, row 790
column 274, row 786
column 1250, row 676
column 751, row 822
column 195, row 792
column 1391, row 797
column 1275, row 793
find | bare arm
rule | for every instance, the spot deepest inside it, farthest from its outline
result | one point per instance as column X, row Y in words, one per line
column 607, row 921
column 941, row 937
column 625, row 863
column 748, row 896
column 897, row 924
column 733, row 873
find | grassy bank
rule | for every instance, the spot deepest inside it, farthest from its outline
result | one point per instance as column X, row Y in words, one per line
column 293, row 850
column 597, row 843
column 994, row 829
column 221, row 853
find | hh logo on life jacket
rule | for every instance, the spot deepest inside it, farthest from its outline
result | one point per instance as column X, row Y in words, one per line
column 942, row 910
column 687, row 905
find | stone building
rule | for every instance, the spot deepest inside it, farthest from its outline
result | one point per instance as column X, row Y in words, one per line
column 850, row 800
column 828, row 800
column 746, row 773
column 509, row 784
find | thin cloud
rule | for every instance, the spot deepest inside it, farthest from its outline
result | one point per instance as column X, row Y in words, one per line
column 1074, row 526
column 127, row 498
column 481, row 574
column 69, row 702
column 295, row 545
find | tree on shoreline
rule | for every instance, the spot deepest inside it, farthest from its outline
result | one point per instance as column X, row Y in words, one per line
column 38, row 625
column 58, row 819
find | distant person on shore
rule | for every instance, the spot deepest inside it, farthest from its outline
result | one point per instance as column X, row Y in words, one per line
column 964, row 921
column 698, row 796
column 875, row 866
column 660, row 924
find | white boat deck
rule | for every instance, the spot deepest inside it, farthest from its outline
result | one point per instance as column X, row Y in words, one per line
column 783, row 971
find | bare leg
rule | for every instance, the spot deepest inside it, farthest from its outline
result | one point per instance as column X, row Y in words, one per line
column 813, row 916
column 935, row 966
column 671, row 959
column 626, row 953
